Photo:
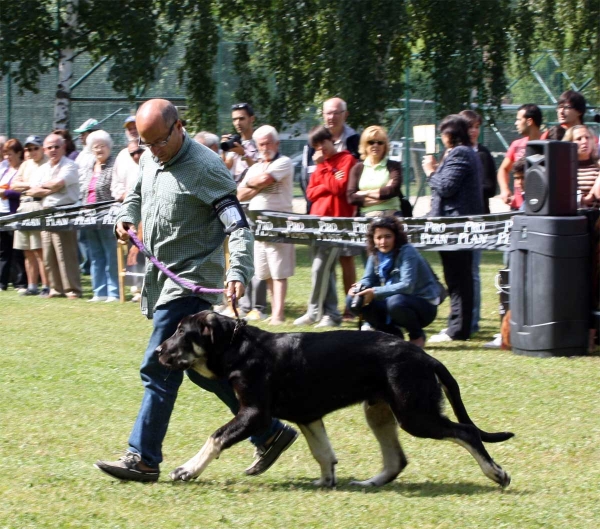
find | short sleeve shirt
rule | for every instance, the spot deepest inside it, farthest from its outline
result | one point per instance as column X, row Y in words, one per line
column 277, row 196
column 65, row 170
column 516, row 150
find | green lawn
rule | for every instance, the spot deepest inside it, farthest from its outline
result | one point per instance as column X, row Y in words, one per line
column 71, row 391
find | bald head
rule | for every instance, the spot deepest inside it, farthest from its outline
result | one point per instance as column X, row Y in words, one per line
column 156, row 111
column 159, row 127
column 54, row 148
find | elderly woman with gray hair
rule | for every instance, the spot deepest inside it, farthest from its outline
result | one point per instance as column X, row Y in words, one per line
column 96, row 186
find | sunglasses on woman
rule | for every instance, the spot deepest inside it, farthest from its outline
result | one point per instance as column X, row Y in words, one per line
column 376, row 142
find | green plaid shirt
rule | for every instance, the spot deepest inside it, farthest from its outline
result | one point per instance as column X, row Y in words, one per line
column 180, row 227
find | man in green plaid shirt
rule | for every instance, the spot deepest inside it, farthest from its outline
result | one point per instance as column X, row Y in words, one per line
column 185, row 199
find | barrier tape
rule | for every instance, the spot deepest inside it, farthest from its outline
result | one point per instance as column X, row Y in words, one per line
column 482, row 232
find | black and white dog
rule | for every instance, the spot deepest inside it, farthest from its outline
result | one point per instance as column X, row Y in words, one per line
column 301, row 377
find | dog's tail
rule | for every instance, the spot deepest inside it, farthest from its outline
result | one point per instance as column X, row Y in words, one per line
column 452, row 391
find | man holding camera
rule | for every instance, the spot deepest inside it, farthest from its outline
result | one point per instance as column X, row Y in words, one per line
column 238, row 150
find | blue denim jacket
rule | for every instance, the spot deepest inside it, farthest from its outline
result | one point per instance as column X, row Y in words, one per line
column 410, row 275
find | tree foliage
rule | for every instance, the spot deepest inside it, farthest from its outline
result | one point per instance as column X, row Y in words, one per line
column 292, row 54
column 134, row 34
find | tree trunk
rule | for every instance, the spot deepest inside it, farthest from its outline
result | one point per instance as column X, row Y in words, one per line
column 62, row 105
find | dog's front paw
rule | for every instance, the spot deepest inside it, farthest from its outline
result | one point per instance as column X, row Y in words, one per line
column 182, row 474
column 328, row 482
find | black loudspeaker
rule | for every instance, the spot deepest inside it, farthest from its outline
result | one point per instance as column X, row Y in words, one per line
column 551, row 178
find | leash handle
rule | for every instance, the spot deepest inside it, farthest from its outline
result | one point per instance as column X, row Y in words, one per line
column 196, row 289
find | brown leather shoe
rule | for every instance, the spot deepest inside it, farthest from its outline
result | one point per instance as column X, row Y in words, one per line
column 129, row 467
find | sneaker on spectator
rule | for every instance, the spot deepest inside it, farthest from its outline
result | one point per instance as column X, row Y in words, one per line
column 366, row 326
column 440, row 338
column 21, row 291
column 28, row 292
column 255, row 315
column 111, row 299
column 95, row 299
column 304, row 320
column 496, row 343
column 129, row 467
column 267, row 455
column 45, row 292
column 327, row 321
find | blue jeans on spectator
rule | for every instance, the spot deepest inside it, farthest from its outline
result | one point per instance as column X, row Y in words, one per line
column 404, row 310
column 84, row 252
column 102, row 246
column 476, row 291
column 161, row 386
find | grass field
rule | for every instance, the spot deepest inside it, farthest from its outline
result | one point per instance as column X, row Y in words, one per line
column 71, row 391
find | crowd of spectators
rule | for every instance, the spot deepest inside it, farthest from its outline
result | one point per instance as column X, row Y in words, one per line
column 343, row 174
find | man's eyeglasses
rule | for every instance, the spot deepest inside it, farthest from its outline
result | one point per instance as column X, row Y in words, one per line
column 157, row 144
column 333, row 113
column 376, row 142
column 30, row 149
column 139, row 151
column 52, row 147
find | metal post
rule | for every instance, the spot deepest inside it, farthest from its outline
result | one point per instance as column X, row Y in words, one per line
column 8, row 104
column 407, row 131
column 88, row 73
column 219, row 73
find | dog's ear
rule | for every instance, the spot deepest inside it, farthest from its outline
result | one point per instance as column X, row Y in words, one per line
column 218, row 328
column 208, row 321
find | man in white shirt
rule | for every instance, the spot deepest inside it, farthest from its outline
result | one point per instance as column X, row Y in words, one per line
column 268, row 185
column 59, row 186
column 126, row 169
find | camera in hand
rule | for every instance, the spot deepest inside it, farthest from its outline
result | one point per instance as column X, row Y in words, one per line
column 357, row 301
column 229, row 144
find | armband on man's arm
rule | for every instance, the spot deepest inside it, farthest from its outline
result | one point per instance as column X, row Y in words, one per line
column 230, row 213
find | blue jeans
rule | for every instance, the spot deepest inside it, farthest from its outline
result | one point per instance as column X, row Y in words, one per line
column 476, row 291
column 84, row 251
column 404, row 310
column 161, row 386
column 102, row 247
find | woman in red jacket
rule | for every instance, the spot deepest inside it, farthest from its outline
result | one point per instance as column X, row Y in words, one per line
column 327, row 193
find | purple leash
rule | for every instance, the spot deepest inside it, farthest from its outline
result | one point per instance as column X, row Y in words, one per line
column 196, row 289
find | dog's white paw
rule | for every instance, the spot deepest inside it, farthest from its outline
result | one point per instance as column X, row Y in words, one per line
column 182, row 474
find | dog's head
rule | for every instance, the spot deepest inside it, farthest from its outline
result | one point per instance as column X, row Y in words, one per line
column 198, row 343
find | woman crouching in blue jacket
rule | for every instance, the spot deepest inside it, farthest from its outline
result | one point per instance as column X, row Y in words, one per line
column 398, row 289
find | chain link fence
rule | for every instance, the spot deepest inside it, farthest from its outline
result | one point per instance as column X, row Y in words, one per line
column 93, row 97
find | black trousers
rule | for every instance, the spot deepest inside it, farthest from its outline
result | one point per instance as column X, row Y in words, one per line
column 12, row 262
column 458, row 273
